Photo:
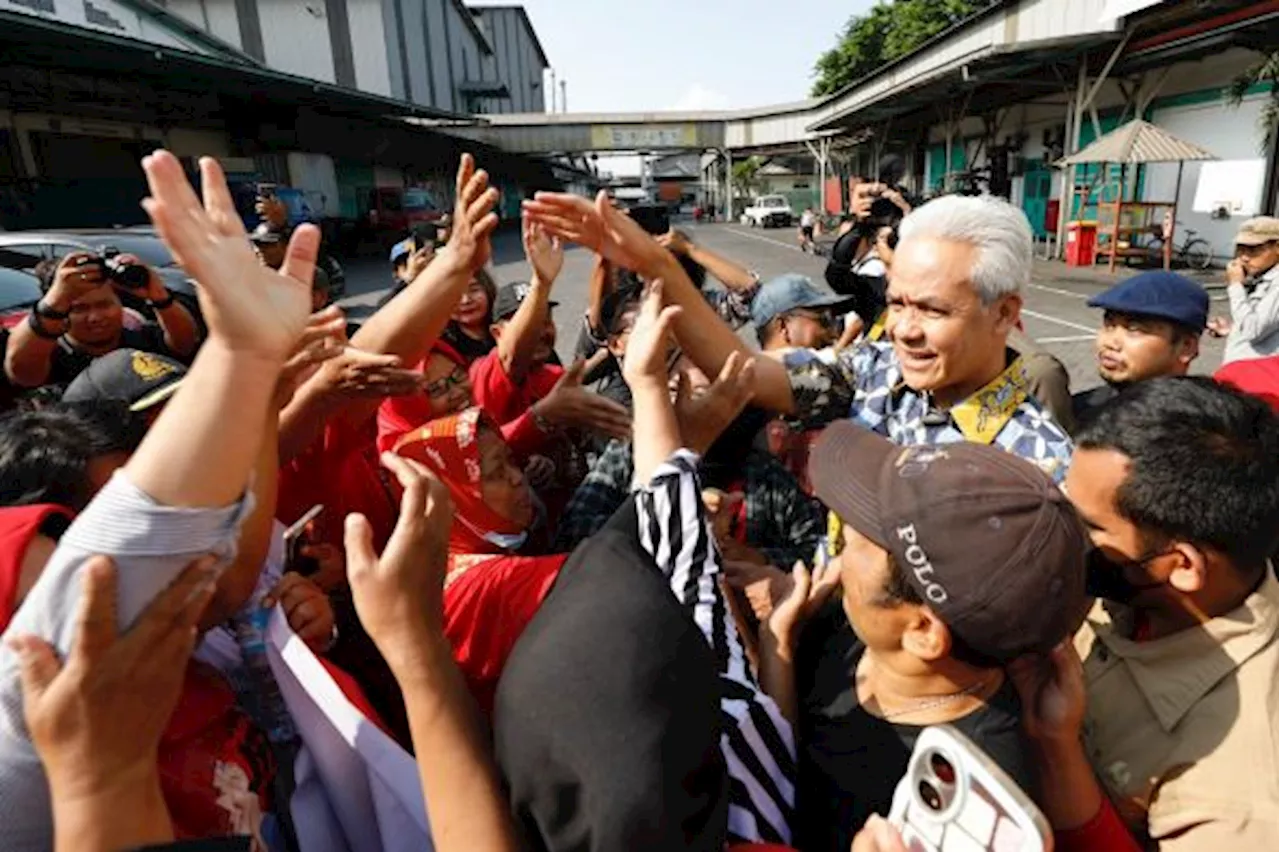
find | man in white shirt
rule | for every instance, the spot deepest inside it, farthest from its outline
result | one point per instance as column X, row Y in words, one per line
column 1253, row 287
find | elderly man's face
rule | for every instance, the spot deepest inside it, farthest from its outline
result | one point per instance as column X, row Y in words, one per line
column 944, row 336
column 1258, row 259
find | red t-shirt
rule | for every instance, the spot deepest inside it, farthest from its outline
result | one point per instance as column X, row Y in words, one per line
column 217, row 769
column 502, row 399
column 341, row 471
column 486, row 608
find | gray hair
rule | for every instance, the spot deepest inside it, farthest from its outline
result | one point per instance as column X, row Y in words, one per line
column 998, row 230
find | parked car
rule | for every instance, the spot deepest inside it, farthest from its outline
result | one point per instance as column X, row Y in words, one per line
column 18, row 292
column 768, row 211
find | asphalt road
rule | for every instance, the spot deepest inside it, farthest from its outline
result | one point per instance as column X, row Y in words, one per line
column 1054, row 310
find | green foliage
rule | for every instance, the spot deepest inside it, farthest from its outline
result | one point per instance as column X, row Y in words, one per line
column 889, row 30
column 1262, row 71
column 745, row 175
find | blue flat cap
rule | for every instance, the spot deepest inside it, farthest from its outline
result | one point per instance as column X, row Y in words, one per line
column 791, row 292
column 1159, row 294
column 404, row 248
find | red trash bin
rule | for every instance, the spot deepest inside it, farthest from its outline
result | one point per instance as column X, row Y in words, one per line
column 1082, row 243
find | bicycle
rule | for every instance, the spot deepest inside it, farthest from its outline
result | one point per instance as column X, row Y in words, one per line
column 1194, row 253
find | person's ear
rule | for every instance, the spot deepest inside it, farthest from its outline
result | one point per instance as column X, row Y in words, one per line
column 496, row 330
column 1190, row 568
column 616, row 346
column 925, row 636
column 1008, row 309
column 1188, row 349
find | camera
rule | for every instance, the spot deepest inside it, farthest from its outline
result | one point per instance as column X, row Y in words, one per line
column 653, row 218
column 130, row 276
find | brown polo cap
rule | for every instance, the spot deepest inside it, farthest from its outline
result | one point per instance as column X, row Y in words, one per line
column 1258, row 231
column 986, row 538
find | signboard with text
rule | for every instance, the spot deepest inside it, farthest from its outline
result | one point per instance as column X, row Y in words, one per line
column 645, row 137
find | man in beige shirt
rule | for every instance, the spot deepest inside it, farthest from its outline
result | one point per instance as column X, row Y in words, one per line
column 1163, row 719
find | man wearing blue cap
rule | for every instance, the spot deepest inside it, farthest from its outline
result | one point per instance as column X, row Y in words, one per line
column 791, row 312
column 409, row 257
column 1151, row 327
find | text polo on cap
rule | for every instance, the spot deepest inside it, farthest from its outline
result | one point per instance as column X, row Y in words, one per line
column 920, row 565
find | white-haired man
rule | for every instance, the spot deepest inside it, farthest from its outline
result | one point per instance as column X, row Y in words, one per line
column 945, row 374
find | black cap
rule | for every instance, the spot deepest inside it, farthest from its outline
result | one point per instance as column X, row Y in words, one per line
column 141, row 379
column 510, row 297
column 985, row 538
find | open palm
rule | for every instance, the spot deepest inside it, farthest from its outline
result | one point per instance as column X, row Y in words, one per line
column 646, row 355
column 545, row 252
column 249, row 307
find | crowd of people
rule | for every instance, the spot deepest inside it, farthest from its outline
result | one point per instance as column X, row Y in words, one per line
column 683, row 593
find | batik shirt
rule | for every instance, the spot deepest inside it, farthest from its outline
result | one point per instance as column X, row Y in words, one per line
column 865, row 384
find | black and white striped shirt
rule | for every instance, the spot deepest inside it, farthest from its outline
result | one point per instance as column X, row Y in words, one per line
column 757, row 742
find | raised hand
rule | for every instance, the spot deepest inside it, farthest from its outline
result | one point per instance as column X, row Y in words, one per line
column 96, row 719
column 355, row 373
column 650, row 341
column 545, row 252
column 77, row 275
column 400, row 595
column 570, row 404
column 248, row 307
column 600, row 227
column 473, row 218
column 703, row 418
column 322, row 340
column 809, row 591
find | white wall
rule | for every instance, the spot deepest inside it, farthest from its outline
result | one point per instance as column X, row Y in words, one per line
column 369, row 46
column 295, row 37
column 215, row 17
column 1229, row 133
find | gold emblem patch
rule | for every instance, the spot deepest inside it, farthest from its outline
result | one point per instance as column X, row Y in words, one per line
column 149, row 368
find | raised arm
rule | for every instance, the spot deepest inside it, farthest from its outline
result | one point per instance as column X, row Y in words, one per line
column 598, row 286
column 757, row 741
column 182, row 493
column 520, row 338
column 408, row 324
column 728, row 272
column 703, row 336
column 400, row 600
column 29, row 355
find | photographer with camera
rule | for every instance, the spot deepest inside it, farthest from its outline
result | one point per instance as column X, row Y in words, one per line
column 80, row 317
column 859, row 259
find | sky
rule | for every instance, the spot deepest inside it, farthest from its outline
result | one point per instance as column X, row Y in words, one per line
column 627, row 55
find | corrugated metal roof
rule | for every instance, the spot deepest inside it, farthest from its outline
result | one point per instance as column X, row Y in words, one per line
column 1138, row 142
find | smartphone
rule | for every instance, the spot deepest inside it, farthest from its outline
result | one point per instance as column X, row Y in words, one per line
column 954, row 798
column 266, row 190
column 296, row 538
column 653, row 218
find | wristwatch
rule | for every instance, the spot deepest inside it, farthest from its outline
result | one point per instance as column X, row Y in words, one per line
column 160, row 305
column 33, row 322
column 47, row 311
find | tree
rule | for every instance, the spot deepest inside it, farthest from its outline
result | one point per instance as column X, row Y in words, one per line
column 889, row 30
column 745, row 174
column 1262, row 71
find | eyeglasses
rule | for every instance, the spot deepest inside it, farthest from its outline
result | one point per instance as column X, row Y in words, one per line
column 440, row 387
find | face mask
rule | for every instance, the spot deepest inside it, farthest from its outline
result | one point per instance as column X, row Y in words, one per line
column 1106, row 579
column 507, row 541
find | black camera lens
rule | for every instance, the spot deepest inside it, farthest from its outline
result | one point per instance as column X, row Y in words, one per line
column 942, row 768
column 930, row 795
